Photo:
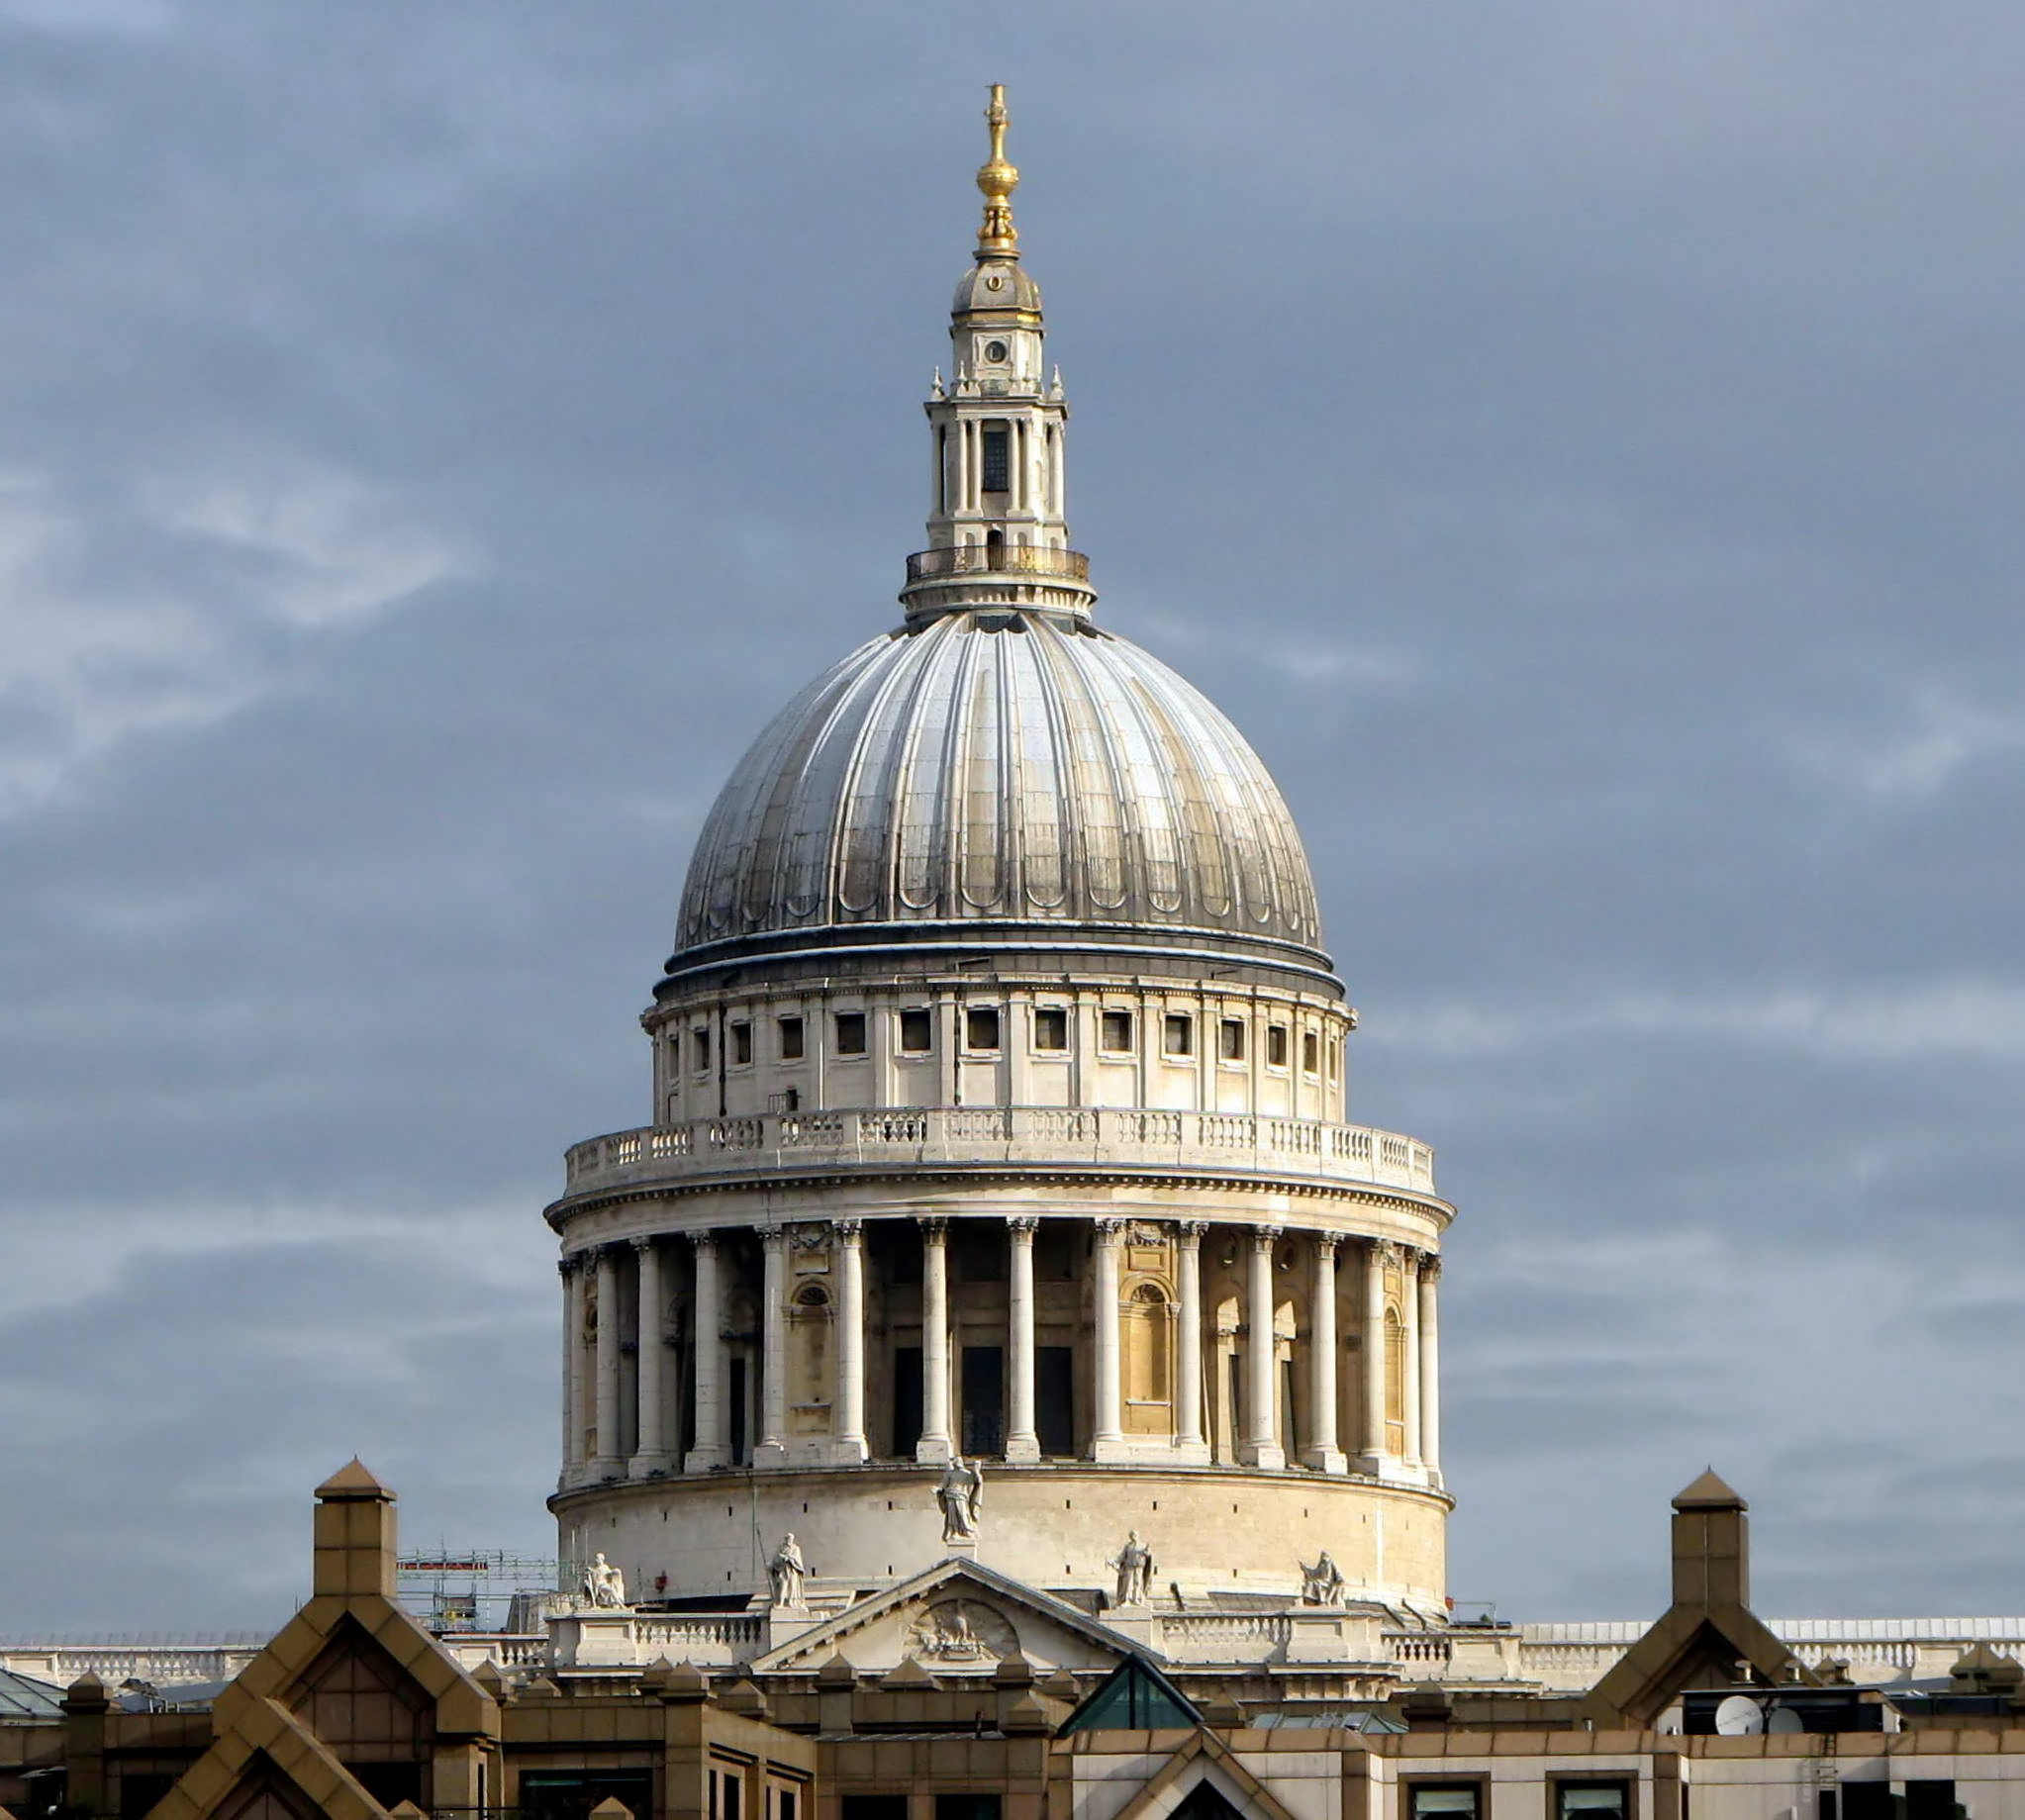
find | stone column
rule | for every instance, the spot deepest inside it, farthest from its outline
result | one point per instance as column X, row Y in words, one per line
column 713, row 1409
column 934, row 1448
column 1261, row 1443
column 1022, row 1440
column 1189, row 1443
column 572, row 1369
column 1377, row 1254
column 847, row 1440
column 651, row 1455
column 1322, row 1449
column 1409, row 1388
column 1107, row 1439
column 606, row 1463
column 771, row 1447
column 1430, row 1369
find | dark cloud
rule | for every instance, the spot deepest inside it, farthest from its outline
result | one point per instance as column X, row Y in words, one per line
column 1578, row 443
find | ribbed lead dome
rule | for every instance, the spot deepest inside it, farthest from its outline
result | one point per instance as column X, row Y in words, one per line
column 1000, row 768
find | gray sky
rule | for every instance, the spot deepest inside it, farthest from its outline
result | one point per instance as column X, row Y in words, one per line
column 1577, row 442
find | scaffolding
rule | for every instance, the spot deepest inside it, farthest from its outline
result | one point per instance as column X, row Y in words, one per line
column 474, row 1589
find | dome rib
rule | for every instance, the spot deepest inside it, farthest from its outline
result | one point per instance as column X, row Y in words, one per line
column 1000, row 771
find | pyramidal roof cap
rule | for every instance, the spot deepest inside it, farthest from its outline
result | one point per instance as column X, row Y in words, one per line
column 352, row 1481
column 1708, row 1491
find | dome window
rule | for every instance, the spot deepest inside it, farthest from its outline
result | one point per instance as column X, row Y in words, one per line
column 1178, row 1036
column 700, row 1045
column 1310, row 1052
column 1230, row 1039
column 981, row 1026
column 1051, row 1029
column 742, row 1044
column 850, row 1032
column 792, row 1039
column 916, row 1031
column 1117, row 1033
column 1276, row 1045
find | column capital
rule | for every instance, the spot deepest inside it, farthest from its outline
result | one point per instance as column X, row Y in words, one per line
column 1430, row 1267
column 1191, row 1232
column 1111, row 1231
column 703, row 1241
column 1022, row 1226
column 775, row 1239
column 644, row 1244
column 847, row 1231
column 1386, row 1253
column 567, row 1267
column 934, row 1228
column 1264, row 1237
column 1326, row 1243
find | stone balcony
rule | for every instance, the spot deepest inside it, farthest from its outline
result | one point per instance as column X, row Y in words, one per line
column 984, row 1139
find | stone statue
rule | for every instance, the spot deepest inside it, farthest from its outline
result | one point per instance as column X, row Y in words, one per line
column 787, row 1570
column 1135, row 1563
column 605, row 1585
column 961, row 1496
column 1323, row 1583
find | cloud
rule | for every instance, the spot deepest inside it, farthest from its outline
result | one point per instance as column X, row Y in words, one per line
column 1968, row 1020
column 175, row 607
column 1945, row 734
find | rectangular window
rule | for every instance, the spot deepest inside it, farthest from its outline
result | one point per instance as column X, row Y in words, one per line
column 907, row 1399
column 1335, row 1058
column 1310, row 1052
column 1587, row 1801
column 1230, row 1040
column 1869, row 1801
column 741, row 1042
column 967, row 1807
column 998, row 458
column 1445, row 1801
column 850, row 1032
column 791, row 1039
column 570, row 1795
column 982, row 1379
column 699, row 1046
column 875, row 1807
column 1276, row 1045
column 784, row 1805
column 1117, row 1033
column 1051, row 1029
column 1054, row 1400
column 981, row 1026
column 917, row 1032
column 1930, row 1800
column 1179, row 1035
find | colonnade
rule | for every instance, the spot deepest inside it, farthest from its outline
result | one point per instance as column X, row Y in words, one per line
column 1396, row 1403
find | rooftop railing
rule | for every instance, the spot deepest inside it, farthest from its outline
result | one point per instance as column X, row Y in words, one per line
column 1037, row 1137
column 997, row 559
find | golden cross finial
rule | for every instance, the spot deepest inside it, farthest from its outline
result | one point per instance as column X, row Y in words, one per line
column 997, row 238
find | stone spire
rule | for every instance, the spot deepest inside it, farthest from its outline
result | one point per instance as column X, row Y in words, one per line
column 996, row 534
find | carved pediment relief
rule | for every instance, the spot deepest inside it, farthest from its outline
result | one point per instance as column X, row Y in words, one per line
column 956, row 1618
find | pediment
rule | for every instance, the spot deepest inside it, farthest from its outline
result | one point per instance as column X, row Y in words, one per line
column 955, row 1619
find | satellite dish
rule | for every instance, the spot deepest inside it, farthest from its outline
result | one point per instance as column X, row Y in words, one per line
column 1784, row 1719
column 1739, row 1716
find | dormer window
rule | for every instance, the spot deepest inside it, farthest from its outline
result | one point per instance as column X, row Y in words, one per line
column 998, row 458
